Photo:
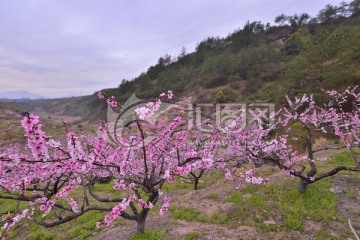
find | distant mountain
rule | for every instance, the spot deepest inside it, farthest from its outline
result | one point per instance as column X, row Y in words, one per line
column 20, row 94
column 74, row 94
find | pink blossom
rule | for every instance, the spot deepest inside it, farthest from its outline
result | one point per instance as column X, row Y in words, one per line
column 100, row 95
column 141, row 203
column 73, row 205
column 113, row 103
column 165, row 206
column 170, row 94
column 144, row 112
column 228, row 174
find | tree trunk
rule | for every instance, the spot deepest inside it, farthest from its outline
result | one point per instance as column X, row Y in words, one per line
column 140, row 225
column 196, row 182
column 303, row 185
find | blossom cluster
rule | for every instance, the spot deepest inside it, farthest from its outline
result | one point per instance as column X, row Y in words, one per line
column 115, row 213
column 36, row 137
column 149, row 110
column 165, row 207
column 10, row 221
column 111, row 101
column 144, row 204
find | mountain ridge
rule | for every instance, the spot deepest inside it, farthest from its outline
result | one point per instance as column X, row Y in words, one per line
column 21, row 94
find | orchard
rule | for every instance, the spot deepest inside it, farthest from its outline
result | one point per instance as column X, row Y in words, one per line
column 148, row 154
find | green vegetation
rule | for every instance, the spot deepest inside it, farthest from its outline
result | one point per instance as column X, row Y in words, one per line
column 80, row 228
column 324, row 234
column 213, row 196
column 150, row 235
column 192, row 236
column 178, row 185
column 190, row 215
column 187, row 214
column 352, row 193
column 220, row 97
column 298, row 54
column 259, row 206
column 317, row 203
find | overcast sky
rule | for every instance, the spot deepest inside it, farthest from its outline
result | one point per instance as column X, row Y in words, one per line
column 60, row 47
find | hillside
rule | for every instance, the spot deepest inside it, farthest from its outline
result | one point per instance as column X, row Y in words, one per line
column 10, row 128
column 12, row 113
column 298, row 54
column 260, row 61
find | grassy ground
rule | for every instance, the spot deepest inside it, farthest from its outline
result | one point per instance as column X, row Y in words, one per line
column 273, row 210
column 80, row 228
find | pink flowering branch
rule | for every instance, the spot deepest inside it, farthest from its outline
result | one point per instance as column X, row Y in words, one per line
column 49, row 171
column 339, row 117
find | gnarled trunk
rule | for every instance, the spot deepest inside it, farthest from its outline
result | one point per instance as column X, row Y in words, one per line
column 140, row 225
column 303, row 185
column 142, row 217
column 196, row 182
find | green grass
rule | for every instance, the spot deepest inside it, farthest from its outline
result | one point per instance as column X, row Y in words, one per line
column 3, row 125
column 269, row 228
column 79, row 228
column 352, row 193
column 42, row 236
column 221, row 218
column 178, row 185
column 190, row 215
column 324, row 234
column 150, row 235
column 192, row 236
column 345, row 158
column 316, row 203
column 183, row 187
column 187, row 214
column 213, row 196
column 105, row 188
column 235, row 197
column 250, row 210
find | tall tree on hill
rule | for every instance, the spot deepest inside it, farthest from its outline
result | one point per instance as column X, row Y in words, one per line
column 327, row 14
